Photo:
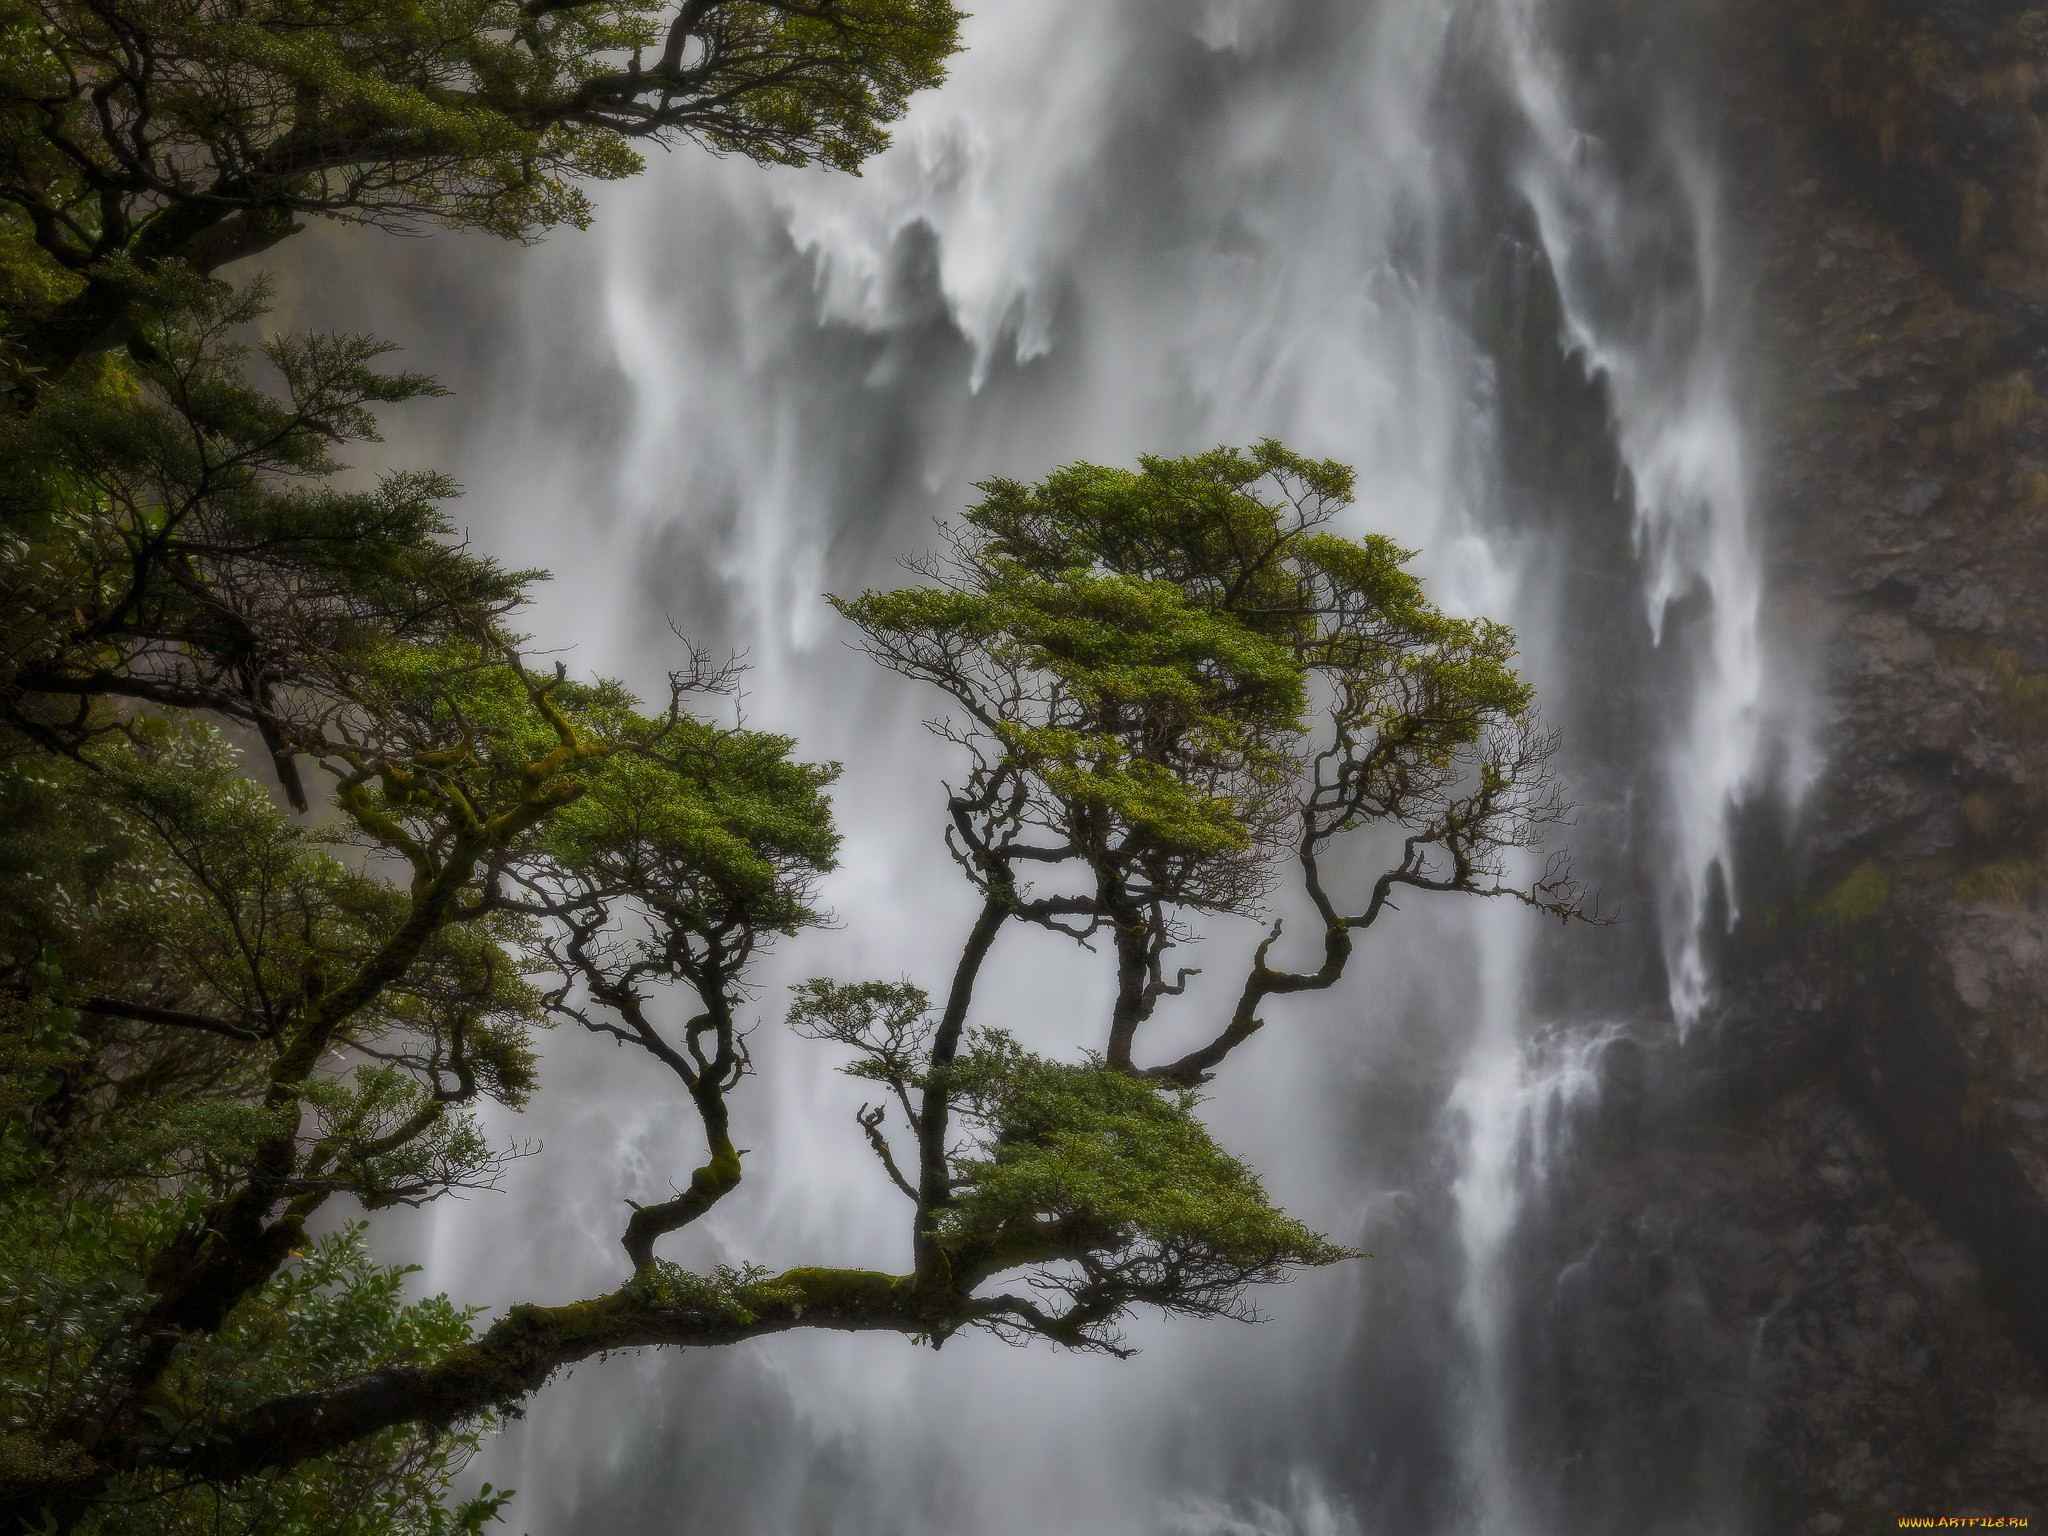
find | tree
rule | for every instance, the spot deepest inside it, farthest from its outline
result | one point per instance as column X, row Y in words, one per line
column 1145, row 661
column 171, row 538
column 139, row 135
column 167, row 531
column 1176, row 687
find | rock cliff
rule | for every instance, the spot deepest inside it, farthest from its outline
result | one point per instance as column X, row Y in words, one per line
column 1797, row 1274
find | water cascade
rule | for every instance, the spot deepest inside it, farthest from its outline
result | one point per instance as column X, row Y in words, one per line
column 1474, row 249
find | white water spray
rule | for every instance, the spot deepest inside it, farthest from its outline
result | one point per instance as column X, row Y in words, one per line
column 1668, row 346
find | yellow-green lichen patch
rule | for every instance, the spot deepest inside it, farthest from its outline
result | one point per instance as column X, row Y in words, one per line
column 1860, row 897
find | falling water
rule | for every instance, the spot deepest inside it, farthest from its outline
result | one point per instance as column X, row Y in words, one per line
column 1634, row 235
column 1124, row 227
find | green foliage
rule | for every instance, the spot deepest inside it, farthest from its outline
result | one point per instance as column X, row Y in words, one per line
column 1146, row 659
column 728, row 1291
column 146, row 132
column 72, row 1276
column 716, row 819
column 329, row 1317
column 220, row 906
column 1090, row 1183
column 1168, row 680
column 215, row 1018
column 161, row 985
column 170, row 536
column 888, row 1022
column 1085, row 1165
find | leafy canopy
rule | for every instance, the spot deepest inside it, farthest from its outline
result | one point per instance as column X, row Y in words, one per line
column 1177, row 676
column 1141, row 651
column 135, row 133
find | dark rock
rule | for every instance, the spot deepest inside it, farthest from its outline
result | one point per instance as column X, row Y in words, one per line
column 1826, row 1214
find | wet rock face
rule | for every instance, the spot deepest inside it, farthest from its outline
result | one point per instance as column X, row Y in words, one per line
column 1796, row 1277
column 1776, row 1336
column 1905, row 344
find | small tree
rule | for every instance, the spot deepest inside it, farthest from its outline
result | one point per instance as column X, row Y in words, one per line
column 1168, row 678
column 1175, row 686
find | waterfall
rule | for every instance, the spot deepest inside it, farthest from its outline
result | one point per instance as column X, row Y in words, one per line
column 1140, row 226
column 1633, row 232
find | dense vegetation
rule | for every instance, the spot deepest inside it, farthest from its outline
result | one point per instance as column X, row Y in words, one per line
column 138, row 135
column 297, row 850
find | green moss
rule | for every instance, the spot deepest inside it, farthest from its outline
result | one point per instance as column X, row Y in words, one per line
column 1860, row 897
column 813, row 1287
